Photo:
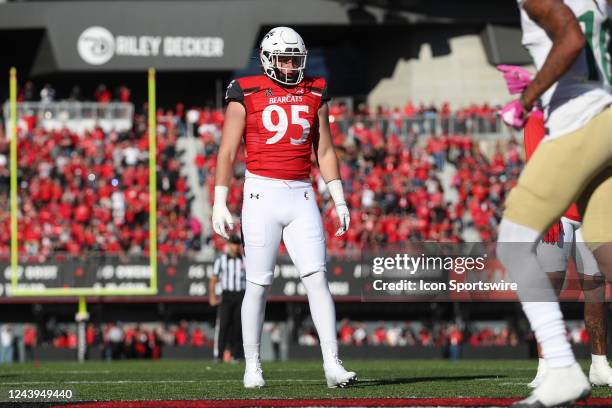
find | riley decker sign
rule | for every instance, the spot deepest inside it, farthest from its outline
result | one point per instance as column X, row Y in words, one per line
column 97, row 46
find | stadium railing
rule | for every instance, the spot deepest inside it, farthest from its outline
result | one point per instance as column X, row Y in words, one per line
column 76, row 116
column 477, row 127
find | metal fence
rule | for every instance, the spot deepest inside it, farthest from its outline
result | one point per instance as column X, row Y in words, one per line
column 76, row 116
column 478, row 127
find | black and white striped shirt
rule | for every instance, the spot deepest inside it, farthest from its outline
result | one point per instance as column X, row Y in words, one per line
column 230, row 272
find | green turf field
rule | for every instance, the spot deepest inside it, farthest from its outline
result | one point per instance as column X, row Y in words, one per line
column 167, row 380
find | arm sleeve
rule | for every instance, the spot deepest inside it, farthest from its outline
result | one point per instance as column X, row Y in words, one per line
column 234, row 93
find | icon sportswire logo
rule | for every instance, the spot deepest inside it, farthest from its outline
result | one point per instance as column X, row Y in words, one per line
column 96, row 45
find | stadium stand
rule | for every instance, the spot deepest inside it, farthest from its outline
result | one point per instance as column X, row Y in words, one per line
column 411, row 173
column 393, row 163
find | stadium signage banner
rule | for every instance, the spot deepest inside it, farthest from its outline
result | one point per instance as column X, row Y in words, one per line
column 122, row 36
column 415, row 273
column 97, row 46
column 180, row 277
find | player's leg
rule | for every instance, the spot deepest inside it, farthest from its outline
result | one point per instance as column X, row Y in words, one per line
column 595, row 314
column 253, row 313
column 261, row 234
column 237, row 349
column 216, row 352
column 545, row 189
column 225, row 325
column 596, row 204
column 305, row 241
column 553, row 258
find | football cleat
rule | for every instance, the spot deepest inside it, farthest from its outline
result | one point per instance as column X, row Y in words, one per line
column 253, row 374
column 600, row 375
column 560, row 386
column 337, row 376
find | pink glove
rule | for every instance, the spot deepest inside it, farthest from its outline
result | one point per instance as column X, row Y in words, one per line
column 512, row 114
column 517, row 78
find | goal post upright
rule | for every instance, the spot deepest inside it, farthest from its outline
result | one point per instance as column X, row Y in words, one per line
column 152, row 178
column 81, row 292
column 13, row 171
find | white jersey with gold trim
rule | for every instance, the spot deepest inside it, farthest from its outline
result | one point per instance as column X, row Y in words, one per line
column 584, row 91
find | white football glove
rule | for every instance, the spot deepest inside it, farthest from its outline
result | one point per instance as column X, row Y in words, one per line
column 344, row 216
column 221, row 217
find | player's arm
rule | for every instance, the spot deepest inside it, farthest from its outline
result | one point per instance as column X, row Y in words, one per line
column 324, row 147
column 328, row 165
column 233, row 128
column 563, row 28
column 213, row 300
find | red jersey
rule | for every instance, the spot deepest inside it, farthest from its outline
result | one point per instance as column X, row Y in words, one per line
column 281, row 124
column 534, row 133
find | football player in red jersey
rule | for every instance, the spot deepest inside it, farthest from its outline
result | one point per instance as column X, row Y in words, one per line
column 282, row 117
column 564, row 240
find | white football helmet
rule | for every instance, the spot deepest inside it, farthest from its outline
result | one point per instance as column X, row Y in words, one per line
column 283, row 43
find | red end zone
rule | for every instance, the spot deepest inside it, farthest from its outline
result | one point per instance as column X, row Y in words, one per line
column 347, row 402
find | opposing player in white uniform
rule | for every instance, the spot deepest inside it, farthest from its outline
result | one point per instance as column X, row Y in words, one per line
column 568, row 43
column 562, row 242
column 283, row 117
column 554, row 258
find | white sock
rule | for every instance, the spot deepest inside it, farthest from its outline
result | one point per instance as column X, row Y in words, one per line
column 598, row 360
column 517, row 254
column 323, row 312
column 251, row 351
column 547, row 323
column 252, row 316
column 541, row 364
column 330, row 351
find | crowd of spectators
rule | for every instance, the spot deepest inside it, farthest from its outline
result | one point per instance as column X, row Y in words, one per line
column 90, row 192
column 398, row 334
column 440, row 335
column 47, row 93
column 392, row 179
column 119, row 341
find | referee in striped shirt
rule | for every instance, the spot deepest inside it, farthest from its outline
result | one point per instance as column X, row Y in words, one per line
column 229, row 270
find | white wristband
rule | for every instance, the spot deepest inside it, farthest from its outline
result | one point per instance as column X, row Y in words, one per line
column 335, row 189
column 221, row 195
